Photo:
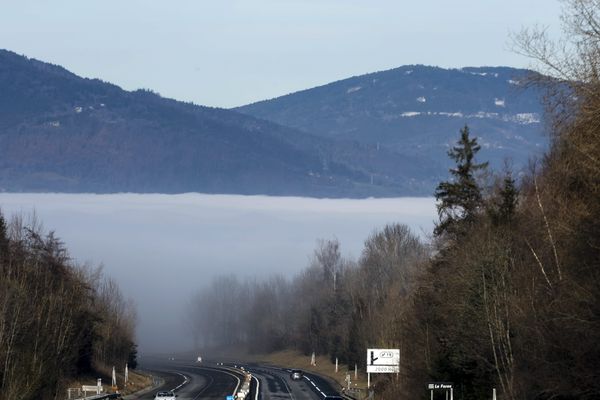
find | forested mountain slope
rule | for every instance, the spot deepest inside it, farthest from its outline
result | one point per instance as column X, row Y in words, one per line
column 418, row 110
column 61, row 132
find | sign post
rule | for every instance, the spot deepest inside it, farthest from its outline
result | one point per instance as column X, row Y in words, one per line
column 382, row 361
column 445, row 386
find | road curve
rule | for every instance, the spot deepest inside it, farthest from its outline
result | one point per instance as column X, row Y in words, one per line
column 276, row 384
column 193, row 382
column 210, row 381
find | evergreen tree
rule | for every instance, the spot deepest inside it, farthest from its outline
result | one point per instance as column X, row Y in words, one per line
column 4, row 247
column 506, row 204
column 132, row 357
column 459, row 199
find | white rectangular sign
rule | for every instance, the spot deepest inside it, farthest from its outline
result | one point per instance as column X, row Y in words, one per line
column 93, row 389
column 383, row 369
column 383, row 361
column 439, row 385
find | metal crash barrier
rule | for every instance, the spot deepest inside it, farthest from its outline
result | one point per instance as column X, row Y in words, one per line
column 245, row 388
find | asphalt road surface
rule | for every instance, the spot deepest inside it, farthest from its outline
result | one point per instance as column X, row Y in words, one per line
column 209, row 381
column 276, row 384
column 193, row 382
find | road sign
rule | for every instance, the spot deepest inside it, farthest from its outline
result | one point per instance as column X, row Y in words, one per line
column 229, row 397
column 92, row 389
column 439, row 386
column 383, row 361
column 445, row 386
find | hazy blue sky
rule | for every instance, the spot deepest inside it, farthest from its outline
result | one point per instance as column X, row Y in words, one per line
column 227, row 52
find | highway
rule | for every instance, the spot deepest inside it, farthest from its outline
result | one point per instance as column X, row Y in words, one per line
column 210, row 381
column 276, row 384
column 192, row 382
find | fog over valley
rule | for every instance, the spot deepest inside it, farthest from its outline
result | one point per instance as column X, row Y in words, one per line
column 162, row 248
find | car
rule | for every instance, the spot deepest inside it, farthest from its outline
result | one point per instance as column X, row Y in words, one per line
column 296, row 374
column 168, row 395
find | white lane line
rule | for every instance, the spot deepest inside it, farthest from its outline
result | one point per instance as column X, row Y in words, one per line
column 235, row 376
column 316, row 387
column 185, row 381
column 257, row 387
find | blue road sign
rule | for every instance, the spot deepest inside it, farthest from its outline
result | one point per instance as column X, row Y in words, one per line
column 229, row 397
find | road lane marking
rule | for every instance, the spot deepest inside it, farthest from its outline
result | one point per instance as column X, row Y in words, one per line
column 316, row 387
column 234, row 375
column 257, row 387
column 185, row 381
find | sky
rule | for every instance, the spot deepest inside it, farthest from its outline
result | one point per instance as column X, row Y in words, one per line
column 226, row 53
column 162, row 249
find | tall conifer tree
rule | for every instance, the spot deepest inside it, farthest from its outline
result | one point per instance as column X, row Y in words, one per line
column 459, row 198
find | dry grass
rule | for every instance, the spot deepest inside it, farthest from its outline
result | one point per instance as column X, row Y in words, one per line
column 137, row 380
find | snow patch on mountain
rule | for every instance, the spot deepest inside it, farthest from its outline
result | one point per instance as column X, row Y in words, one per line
column 494, row 74
column 410, row 114
column 520, row 118
column 526, row 118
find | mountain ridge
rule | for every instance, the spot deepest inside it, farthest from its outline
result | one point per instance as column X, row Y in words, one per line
column 62, row 132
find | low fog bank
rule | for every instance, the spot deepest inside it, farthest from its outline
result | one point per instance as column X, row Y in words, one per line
column 162, row 248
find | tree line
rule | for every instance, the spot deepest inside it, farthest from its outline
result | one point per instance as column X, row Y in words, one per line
column 58, row 320
column 506, row 293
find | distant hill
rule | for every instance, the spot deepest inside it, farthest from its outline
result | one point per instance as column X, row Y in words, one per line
column 418, row 110
column 61, row 132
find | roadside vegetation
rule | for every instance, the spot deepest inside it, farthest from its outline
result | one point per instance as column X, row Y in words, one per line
column 58, row 320
column 506, row 293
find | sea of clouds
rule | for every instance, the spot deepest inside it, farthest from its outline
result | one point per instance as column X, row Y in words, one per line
column 162, row 248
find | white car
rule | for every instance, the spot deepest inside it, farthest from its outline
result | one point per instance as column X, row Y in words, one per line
column 296, row 374
column 170, row 395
